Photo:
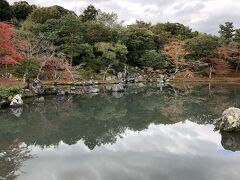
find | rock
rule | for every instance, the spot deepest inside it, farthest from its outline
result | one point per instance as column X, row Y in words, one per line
column 61, row 92
column 109, row 78
column 5, row 103
column 231, row 141
column 140, row 85
column 139, row 78
column 50, row 90
column 71, row 92
column 230, row 120
column 160, row 80
column 16, row 101
column 118, row 88
column 131, row 79
column 120, row 76
column 39, row 100
column 37, row 86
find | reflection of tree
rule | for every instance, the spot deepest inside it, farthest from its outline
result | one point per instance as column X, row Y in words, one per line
column 11, row 158
column 102, row 118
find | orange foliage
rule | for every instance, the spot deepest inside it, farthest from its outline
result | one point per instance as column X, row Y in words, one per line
column 175, row 50
column 8, row 53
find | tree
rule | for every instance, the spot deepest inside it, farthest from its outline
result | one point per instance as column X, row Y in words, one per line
column 138, row 41
column 201, row 49
column 227, row 31
column 152, row 58
column 111, row 55
column 5, row 11
column 173, row 30
column 176, row 51
column 237, row 36
column 28, row 68
column 108, row 19
column 21, row 10
column 89, row 14
column 231, row 53
column 85, row 54
column 97, row 32
column 41, row 15
column 8, row 53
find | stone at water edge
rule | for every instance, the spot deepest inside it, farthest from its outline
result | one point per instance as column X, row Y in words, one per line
column 16, row 101
column 230, row 120
column 5, row 103
column 38, row 87
column 61, row 92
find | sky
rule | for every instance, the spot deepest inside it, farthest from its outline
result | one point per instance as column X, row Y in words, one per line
column 201, row 15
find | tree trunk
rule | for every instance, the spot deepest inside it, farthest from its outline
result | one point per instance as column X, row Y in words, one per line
column 210, row 71
column 6, row 69
column 237, row 68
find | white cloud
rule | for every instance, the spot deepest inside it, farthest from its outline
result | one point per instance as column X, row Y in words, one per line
column 202, row 15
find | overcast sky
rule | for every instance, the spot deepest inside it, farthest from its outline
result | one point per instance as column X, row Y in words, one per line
column 202, row 15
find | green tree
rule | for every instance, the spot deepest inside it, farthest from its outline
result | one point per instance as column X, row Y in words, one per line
column 111, row 54
column 21, row 10
column 28, row 68
column 5, row 11
column 85, row 55
column 138, row 41
column 227, row 31
column 41, row 15
column 152, row 58
column 89, row 14
column 237, row 36
column 108, row 19
column 201, row 47
column 173, row 30
column 97, row 32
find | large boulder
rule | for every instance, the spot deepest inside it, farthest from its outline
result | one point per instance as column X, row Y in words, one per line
column 38, row 87
column 16, row 101
column 230, row 120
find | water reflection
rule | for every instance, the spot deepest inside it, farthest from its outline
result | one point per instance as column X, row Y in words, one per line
column 180, row 152
column 144, row 133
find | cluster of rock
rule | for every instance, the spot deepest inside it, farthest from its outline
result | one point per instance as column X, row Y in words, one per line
column 230, row 120
column 16, row 101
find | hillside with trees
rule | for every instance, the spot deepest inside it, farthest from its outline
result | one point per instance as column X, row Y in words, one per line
column 54, row 43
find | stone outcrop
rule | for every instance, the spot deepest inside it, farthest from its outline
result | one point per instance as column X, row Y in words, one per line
column 37, row 87
column 16, row 101
column 230, row 120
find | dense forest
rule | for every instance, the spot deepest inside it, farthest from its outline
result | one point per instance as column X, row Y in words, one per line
column 48, row 39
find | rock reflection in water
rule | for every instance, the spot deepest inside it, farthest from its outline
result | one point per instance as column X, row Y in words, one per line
column 231, row 141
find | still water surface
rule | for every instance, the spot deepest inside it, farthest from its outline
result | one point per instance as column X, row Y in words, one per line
column 147, row 133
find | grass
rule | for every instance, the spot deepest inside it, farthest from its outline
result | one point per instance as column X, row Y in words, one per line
column 6, row 92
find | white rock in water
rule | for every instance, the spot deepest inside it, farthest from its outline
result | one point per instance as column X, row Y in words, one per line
column 17, row 101
column 230, row 120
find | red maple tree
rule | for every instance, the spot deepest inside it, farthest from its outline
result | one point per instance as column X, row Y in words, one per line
column 8, row 53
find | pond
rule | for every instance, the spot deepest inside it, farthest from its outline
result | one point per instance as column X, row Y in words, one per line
column 146, row 133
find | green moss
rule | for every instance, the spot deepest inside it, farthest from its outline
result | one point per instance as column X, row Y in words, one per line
column 6, row 92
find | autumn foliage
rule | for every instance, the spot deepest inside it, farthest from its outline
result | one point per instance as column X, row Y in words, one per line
column 8, row 53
